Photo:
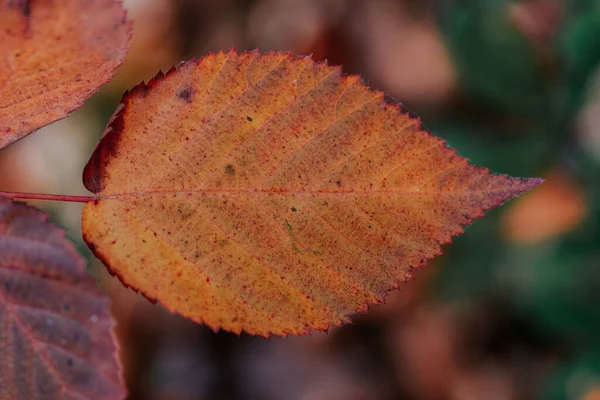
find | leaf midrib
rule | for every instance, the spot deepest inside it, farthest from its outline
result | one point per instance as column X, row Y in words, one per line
column 251, row 192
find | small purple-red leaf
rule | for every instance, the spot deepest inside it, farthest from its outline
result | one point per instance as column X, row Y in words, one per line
column 55, row 328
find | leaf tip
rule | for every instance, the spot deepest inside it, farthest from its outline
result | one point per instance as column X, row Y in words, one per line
column 522, row 185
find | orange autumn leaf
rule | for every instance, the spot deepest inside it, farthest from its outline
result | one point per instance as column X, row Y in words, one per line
column 270, row 194
column 55, row 336
column 53, row 56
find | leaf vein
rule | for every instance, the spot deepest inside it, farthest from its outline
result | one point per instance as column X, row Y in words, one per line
column 51, row 367
column 244, row 140
column 311, row 139
column 343, row 237
column 395, row 168
column 173, row 246
column 268, row 267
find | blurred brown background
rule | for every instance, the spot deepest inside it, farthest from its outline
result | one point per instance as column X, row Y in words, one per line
column 511, row 311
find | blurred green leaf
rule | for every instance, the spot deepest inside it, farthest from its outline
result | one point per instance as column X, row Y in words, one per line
column 580, row 47
column 496, row 64
column 558, row 282
column 529, row 150
column 468, row 264
column 572, row 381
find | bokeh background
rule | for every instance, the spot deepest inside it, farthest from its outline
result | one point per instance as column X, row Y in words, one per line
column 512, row 309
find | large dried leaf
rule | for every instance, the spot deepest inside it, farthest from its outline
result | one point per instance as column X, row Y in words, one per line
column 54, row 54
column 55, row 327
column 273, row 195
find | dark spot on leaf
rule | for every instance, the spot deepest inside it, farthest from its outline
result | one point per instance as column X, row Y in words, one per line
column 249, row 118
column 186, row 94
column 294, row 209
column 230, row 170
column 339, row 183
column 25, row 6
